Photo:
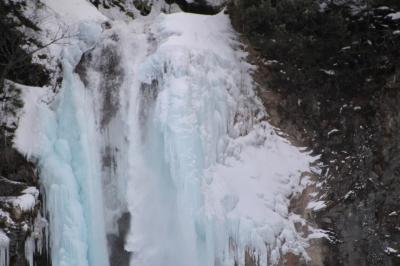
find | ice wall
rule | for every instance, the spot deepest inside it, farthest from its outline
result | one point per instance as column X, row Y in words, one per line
column 158, row 118
column 210, row 178
column 62, row 138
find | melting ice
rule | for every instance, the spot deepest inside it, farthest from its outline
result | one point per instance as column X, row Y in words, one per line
column 158, row 118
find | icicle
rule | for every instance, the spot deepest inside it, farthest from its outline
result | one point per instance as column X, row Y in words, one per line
column 37, row 242
column 29, row 250
column 4, row 249
column 45, row 223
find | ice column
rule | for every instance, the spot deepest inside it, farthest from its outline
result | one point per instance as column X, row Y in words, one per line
column 4, row 249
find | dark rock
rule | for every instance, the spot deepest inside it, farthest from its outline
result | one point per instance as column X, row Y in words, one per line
column 360, row 98
column 198, row 6
column 119, row 256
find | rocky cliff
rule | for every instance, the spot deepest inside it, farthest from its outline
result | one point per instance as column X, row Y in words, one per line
column 22, row 222
column 329, row 75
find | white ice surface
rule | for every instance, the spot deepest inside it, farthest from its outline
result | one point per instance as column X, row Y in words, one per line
column 75, row 11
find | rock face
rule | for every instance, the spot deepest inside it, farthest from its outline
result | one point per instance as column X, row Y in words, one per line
column 22, row 226
column 339, row 97
column 20, row 207
column 201, row 6
column 118, row 255
column 144, row 7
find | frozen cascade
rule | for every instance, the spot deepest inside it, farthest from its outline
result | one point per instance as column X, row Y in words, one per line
column 65, row 146
column 158, row 118
column 209, row 177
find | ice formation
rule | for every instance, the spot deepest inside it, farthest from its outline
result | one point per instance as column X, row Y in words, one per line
column 66, row 149
column 29, row 250
column 158, row 117
column 210, row 167
column 4, row 249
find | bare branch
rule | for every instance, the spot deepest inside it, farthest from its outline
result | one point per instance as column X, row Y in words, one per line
column 29, row 54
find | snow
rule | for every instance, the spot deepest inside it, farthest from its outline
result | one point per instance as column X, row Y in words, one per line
column 390, row 250
column 25, row 202
column 394, row 16
column 349, row 194
column 383, row 8
column 329, row 72
column 194, row 161
column 323, row 7
column 32, row 191
column 319, row 233
column 316, row 205
column 27, row 127
column 75, row 11
column 333, row 131
column 270, row 62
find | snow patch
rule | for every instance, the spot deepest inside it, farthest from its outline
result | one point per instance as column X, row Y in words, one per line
column 75, row 11
column 316, row 205
column 389, row 250
column 25, row 202
column 349, row 194
column 394, row 16
column 335, row 130
column 329, row 72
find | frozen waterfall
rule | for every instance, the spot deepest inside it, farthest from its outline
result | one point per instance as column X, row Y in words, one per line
column 158, row 118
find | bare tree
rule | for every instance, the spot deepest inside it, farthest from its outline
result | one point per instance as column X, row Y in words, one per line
column 16, row 51
column 13, row 56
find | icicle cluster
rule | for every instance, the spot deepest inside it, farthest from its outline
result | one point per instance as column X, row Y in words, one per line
column 4, row 249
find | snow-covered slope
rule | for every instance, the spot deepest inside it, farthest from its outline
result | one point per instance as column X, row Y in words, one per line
column 159, row 119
